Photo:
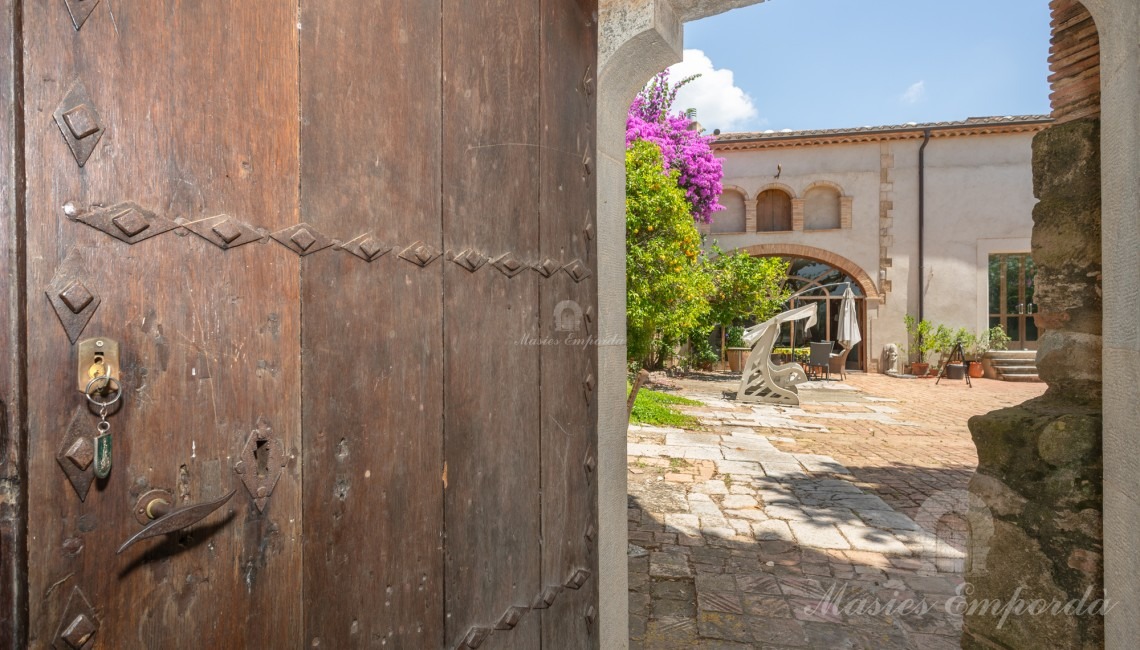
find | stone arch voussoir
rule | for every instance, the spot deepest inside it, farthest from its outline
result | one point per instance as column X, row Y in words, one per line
column 739, row 190
column 820, row 255
column 786, row 189
column 828, row 184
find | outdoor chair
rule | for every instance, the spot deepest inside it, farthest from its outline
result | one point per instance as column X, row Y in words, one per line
column 819, row 361
column 838, row 363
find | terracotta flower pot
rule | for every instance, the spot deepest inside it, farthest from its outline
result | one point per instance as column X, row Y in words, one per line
column 976, row 370
column 736, row 357
column 920, row 369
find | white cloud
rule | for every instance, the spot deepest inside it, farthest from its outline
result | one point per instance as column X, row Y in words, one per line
column 915, row 93
column 720, row 103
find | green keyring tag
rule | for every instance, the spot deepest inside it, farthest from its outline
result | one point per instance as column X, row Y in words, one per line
column 103, row 455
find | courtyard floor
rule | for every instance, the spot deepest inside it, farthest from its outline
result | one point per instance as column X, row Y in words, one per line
column 834, row 524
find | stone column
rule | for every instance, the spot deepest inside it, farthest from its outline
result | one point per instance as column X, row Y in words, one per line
column 637, row 39
column 846, row 203
column 797, row 214
column 750, row 216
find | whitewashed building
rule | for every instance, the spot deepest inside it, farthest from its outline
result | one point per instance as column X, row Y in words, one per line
column 933, row 220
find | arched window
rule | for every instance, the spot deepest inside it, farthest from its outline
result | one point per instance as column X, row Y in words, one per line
column 731, row 219
column 773, row 211
column 821, row 208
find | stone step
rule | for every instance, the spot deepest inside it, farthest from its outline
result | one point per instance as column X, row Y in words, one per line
column 1015, row 365
column 1011, row 354
column 1016, row 370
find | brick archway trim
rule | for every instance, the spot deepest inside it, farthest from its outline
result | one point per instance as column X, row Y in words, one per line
column 831, row 184
column 786, row 189
column 820, row 255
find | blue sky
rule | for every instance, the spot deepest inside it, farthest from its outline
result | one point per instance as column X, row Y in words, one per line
column 817, row 64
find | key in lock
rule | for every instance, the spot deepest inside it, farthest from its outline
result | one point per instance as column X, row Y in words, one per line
column 98, row 357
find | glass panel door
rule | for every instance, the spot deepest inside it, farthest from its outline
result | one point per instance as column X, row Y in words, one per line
column 1011, row 298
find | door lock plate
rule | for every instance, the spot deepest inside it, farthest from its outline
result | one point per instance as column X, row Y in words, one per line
column 98, row 357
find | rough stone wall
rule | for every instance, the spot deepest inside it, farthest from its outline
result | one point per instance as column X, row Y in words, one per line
column 1039, row 482
column 1066, row 249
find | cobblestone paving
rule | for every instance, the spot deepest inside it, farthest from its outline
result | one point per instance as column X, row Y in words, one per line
column 829, row 525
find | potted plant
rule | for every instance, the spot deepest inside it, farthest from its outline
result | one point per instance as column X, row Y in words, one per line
column 973, row 344
column 922, row 342
column 995, row 338
column 737, row 352
column 950, row 340
column 942, row 341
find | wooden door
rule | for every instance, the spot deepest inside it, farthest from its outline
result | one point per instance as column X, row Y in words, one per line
column 773, row 211
column 337, row 243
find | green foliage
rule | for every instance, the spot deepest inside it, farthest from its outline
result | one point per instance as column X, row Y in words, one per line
column 734, row 337
column 745, row 287
column 994, row 338
column 801, row 354
column 947, row 339
column 674, row 292
column 666, row 286
column 970, row 345
column 942, row 340
column 922, row 340
column 654, row 408
column 702, row 354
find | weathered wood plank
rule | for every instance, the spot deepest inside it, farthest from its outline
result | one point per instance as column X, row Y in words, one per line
column 13, row 587
column 569, row 316
column 199, row 101
column 372, row 363
column 491, row 138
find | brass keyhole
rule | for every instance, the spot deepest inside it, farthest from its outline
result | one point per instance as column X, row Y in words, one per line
column 98, row 357
column 98, row 367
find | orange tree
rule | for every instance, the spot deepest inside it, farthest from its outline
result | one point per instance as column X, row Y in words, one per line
column 745, row 288
column 667, row 286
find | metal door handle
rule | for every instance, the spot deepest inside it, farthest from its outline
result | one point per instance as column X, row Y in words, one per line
column 174, row 519
column 1021, row 308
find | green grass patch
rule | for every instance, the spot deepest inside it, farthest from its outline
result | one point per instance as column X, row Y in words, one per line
column 654, row 408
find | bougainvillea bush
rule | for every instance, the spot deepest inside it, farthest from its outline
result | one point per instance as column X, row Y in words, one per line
column 683, row 148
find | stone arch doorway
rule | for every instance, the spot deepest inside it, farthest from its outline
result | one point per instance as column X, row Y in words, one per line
column 642, row 38
column 813, row 282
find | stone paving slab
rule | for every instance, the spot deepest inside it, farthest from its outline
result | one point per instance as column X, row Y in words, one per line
column 821, row 464
column 698, row 453
column 636, row 449
column 686, row 439
column 815, row 534
column 768, row 526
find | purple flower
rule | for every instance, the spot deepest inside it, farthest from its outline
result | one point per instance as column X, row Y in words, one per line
column 682, row 147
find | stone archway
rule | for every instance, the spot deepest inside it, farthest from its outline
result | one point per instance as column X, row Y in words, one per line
column 820, row 255
column 642, row 37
